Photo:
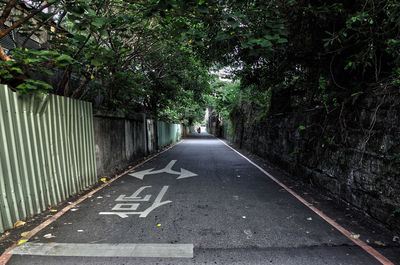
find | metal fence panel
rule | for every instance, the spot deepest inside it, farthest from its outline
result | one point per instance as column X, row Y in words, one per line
column 46, row 152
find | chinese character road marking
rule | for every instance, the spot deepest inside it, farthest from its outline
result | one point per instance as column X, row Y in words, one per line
column 168, row 169
column 133, row 206
column 134, row 197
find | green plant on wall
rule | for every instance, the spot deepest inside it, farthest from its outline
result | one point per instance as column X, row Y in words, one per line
column 15, row 72
column 396, row 212
column 397, row 164
column 295, row 151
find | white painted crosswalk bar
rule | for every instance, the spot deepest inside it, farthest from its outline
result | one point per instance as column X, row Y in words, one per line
column 106, row 250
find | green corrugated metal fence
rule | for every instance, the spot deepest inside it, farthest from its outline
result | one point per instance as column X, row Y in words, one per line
column 46, row 152
column 168, row 133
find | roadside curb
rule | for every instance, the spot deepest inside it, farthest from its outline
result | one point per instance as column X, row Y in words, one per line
column 370, row 250
column 5, row 256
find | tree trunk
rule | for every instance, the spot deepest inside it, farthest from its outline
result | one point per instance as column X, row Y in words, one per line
column 3, row 55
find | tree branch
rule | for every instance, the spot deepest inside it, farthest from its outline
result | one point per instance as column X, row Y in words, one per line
column 7, row 10
column 20, row 22
column 39, row 26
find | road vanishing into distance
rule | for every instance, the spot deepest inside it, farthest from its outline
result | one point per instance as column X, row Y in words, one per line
column 199, row 202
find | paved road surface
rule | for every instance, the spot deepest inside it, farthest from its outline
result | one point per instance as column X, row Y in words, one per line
column 210, row 201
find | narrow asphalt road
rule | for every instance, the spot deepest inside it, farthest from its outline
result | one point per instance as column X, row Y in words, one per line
column 197, row 203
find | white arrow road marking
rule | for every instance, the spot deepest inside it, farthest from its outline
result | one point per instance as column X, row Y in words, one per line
column 168, row 169
column 186, row 174
column 141, row 174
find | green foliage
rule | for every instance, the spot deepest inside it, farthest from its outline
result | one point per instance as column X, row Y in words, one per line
column 397, row 164
column 31, row 62
column 396, row 212
column 30, row 86
column 123, row 55
column 227, row 96
column 330, row 140
column 286, row 54
column 295, row 151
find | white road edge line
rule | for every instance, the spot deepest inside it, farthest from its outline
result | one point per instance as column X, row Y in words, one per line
column 106, row 250
column 370, row 250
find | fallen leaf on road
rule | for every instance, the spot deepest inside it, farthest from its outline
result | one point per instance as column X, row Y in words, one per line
column 49, row 236
column 379, row 243
column 22, row 241
column 25, row 233
column 53, row 210
column 19, row 223
column 158, row 225
column 104, row 180
column 355, row 236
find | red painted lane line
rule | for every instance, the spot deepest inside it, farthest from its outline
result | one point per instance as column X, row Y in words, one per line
column 370, row 250
column 5, row 257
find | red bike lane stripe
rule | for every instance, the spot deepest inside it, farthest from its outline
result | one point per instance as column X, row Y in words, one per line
column 5, row 257
column 370, row 250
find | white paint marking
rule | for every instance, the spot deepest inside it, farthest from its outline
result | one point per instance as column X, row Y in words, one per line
column 168, row 169
column 248, row 233
column 186, row 174
column 133, row 206
column 140, row 175
column 125, row 207
column 157, row 202
column 135, row 196
column 106, row 250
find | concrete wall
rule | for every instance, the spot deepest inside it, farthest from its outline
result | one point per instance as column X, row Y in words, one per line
column 120, row 140
column 353, row 155
column 168, row 133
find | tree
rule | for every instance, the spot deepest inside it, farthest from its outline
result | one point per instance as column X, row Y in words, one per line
column 19, row 18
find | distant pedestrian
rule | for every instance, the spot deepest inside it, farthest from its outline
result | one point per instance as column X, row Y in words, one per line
column 199, row 130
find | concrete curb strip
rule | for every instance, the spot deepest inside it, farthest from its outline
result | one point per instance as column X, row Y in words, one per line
column 5, row 257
